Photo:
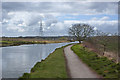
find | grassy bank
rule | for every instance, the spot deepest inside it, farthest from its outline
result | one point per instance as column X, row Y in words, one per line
column 53, row 67
column 17, row 43
column 102, row 65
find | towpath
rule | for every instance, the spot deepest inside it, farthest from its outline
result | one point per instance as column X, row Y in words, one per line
column 76, row 68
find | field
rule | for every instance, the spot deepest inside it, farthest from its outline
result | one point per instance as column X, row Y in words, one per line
column 110, row 41
column 53, row 67
column 107, row 45
column 102, row 65
column 19, row 41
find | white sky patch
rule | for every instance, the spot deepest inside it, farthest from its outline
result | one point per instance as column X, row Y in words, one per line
column 71, row 21
column 55, row 14
column 15, row 28
column 42, row 15
column 10, row 13
column 112, row 22
column 100, row 19
column 95, row 28
column 105, row 18
column 5, row 21
column 53, row 24
column 75, row 14
column 21, row 20
column 48, row 27
column 43, row 22
column 22, row 25
column 20, row 17
column 59, row 25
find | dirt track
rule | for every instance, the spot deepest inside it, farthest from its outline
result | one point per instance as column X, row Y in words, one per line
column 76, row 68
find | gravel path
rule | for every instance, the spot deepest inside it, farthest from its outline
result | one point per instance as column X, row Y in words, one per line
column 76, row 68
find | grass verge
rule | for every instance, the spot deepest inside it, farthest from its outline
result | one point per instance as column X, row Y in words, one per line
column 52, row 67
column 103, row 66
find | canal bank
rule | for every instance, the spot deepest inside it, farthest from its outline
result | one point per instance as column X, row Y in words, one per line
column 54, row 66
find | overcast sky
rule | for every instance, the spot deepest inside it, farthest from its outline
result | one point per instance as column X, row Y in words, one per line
column 22, row 18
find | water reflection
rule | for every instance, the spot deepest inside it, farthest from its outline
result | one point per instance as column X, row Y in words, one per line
column 17, row 60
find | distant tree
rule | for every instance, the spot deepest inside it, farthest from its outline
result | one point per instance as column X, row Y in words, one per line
column 63, row 38
column 81, row 31
column 20, row 36
column 114, row 34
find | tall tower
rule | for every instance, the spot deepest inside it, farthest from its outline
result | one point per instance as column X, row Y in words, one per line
column 40, row 29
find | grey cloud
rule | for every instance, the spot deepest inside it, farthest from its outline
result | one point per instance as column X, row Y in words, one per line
column 50, row 21
column 14, row 6
column 108, row 28
column 62, row 7
column 112, row 7
column 34, row 19
column 26, row 6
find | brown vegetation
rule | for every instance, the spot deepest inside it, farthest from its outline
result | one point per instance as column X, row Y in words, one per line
column 111, row 48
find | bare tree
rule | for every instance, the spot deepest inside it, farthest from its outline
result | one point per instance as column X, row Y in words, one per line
column 81, row 31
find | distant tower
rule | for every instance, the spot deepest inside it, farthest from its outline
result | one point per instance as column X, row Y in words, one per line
column 40, row 29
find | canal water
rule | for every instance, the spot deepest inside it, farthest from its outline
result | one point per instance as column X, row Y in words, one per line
column 17, row 60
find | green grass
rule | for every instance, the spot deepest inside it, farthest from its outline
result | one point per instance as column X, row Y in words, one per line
column 102, row 65
column 53, row 67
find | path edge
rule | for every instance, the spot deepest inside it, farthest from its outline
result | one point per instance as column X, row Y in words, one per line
column 66, row 63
